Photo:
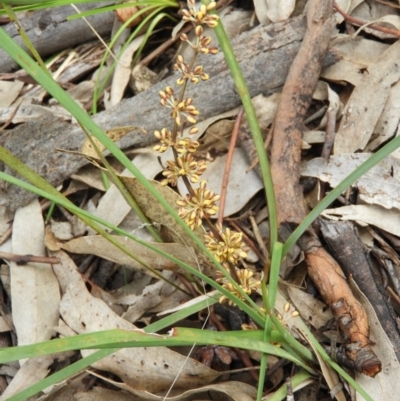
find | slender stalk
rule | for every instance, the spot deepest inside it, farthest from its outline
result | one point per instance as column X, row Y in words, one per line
column 253, row 125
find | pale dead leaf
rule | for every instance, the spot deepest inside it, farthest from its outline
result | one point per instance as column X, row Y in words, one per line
column 354, row 56
column 33, row 370
column 156, row 213
column 103, row 394
column 324, row 92
column 142, row 79
column 388, row 220
column 388, row 121
column 286, row 310
column 360, row 115
column 379, row 186
column 386, row 384
column 122, row 72
column 376, row 12
column 115, row 134
column 34, row 288
column 311, row 309
column 242, row 186
column 160, row 294
column 29, row 112
column 191, row 302
column 261, row 9
column 99, row 246
column 152, row 368
column 232, row 390
column 5, row 323
column 62, row 230
column 279, row 10
column 9, row 91
column 83, row 92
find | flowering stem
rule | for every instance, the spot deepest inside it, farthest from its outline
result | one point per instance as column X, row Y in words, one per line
column 253, row 125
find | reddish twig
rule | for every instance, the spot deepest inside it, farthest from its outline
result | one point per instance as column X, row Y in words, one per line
column 360, row 22
column 225, row 179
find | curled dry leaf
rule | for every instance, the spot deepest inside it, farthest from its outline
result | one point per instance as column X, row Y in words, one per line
column 232, row 390
column 387, row 220
column 149, row 369
column 157, row 214
column 387, row 384
column 274, row 10
column 378, row 186
column 99, row 246
column 123, row 70
column 360, row 115
column 242, row 185
column 34, row 288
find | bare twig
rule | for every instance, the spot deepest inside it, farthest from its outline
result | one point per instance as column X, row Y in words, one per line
column 360, row 22
column 225, row 179
column 25, row 259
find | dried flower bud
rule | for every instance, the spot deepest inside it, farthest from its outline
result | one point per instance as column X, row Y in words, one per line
column 193, row 130
column 199, row 30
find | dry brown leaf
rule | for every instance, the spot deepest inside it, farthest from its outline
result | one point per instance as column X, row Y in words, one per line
column 33, row 370
column 103, row 394
column 122, row 72
column 34, row 288
column 388, row 121
column 273, row 10
column 242, row 185
column 379, row 186
column 232, row 390
column 387, row 220
column 9, row 91
column 360, row 114
column 387, row 384
column 354, row 56
column 99, row 246
column 115, row 134
column 151, row 369
column 158, row 296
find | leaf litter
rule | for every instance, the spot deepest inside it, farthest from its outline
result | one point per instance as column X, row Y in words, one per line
column 362, row 90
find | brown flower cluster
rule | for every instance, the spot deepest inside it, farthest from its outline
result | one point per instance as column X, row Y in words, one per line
column 201, row 203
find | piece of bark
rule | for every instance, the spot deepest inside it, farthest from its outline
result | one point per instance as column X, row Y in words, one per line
column 348, row 312
column 264, row 53
column 287, row 128
column 49, row 31
column 348, row 250
column 324, row 271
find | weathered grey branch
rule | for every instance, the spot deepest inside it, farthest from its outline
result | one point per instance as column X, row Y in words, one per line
column 264, row 53
column 50, row 32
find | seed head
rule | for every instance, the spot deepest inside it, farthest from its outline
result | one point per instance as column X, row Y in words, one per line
column 229, row 249
column 202, row 204
column 184, row 166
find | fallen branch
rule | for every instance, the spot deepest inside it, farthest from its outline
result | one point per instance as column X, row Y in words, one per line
column 49, row 31
column 285, row 167
column 265, row 55
column 348, row 250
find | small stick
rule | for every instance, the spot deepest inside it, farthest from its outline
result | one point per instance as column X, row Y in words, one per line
column 25, row 259
column 225, row 179
column 360, row 22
